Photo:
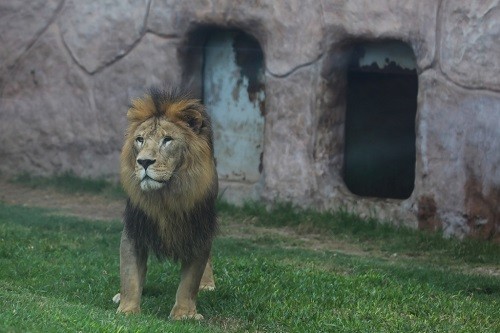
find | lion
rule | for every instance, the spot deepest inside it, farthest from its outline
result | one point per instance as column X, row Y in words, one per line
column 167, row 169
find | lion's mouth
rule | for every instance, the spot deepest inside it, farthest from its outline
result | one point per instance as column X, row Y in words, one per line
column 150, row 184
column 148, row 178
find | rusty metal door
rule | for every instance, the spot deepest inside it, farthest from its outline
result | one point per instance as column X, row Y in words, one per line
column 233, row 91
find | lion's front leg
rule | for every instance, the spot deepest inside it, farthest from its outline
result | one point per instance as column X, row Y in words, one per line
column 133, row 266
column 185, row 298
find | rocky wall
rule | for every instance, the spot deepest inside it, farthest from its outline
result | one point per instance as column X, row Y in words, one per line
column 68, row 70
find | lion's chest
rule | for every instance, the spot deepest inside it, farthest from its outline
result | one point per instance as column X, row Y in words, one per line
column 170, row 235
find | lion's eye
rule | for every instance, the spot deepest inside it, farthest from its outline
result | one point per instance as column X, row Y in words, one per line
column 166, row 140
column 139, row 140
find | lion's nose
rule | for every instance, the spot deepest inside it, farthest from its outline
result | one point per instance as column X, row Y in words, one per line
column 145, row 162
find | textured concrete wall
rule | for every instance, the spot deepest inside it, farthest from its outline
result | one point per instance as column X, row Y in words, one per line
column 69, row 68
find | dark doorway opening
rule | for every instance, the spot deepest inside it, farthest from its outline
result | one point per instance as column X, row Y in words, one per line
column 381, row 104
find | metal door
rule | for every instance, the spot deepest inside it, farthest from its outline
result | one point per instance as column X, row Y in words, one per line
column 233, row 91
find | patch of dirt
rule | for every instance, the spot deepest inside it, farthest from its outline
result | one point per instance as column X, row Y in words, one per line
column 294, row 239
column 87, row 206
column 492, row 271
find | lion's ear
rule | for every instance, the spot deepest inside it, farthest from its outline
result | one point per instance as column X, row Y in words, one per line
column 187, row 111
column 193, row 119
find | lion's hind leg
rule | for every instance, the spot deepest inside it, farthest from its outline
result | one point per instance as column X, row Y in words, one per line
column 207, row 280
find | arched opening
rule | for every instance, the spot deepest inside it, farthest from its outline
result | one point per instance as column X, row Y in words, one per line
column 381, row 104
column 233, row 92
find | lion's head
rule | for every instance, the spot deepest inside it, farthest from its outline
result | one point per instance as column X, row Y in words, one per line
column 168, row 148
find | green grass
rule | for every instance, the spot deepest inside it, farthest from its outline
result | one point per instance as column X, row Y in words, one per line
column 58, row 274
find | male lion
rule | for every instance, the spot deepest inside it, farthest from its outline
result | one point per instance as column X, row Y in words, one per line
column 168, row 172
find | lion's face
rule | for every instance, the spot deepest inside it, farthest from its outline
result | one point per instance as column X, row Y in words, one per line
column 159, row 146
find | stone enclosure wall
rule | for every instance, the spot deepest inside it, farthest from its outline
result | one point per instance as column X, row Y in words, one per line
column 68, row 70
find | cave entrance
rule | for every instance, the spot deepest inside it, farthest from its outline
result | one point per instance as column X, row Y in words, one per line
column 233, row 92
column 381, row 104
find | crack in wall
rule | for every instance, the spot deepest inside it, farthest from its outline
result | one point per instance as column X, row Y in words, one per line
column 30, row 44
column 160, row 35
column 132, row 46
column 480, row 88
column 146, row 18
column 295, row 69
column 70, row 54
column 437, row 47
column 39, row 33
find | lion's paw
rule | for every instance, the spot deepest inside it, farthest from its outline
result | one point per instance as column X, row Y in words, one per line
column 195, row 316
column 207, row 287
column 128, row 309
column 125, row 308
column 184, row 313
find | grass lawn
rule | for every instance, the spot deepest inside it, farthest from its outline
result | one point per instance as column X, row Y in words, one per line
column 58, row 274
